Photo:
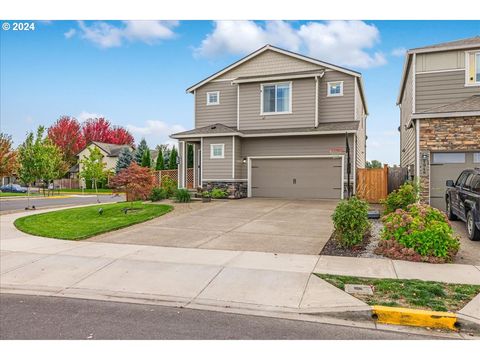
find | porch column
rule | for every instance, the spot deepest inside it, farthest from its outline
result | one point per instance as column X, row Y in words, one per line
column 181, row 164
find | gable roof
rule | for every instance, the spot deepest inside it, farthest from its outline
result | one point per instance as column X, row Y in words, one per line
column 450, row 45
column 112, row 150
column 278, row 50
column 268, row 47
column 469, row 43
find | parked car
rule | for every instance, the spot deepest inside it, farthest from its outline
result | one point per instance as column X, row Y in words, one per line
column 13, row 188
column 463, row 201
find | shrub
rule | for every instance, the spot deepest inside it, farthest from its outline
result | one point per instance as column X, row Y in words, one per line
column 218, row 193
column 406, row 195
column 168, row 185
column 158, row 194
column 350, row 220
column 206, row 194
column 182, row 195
column 423, row 229
column 135, row 180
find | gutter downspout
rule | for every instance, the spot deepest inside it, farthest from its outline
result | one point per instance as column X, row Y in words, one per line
column 316, row 101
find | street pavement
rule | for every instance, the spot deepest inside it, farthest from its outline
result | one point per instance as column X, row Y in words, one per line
column 40, row 202
column 39, row 317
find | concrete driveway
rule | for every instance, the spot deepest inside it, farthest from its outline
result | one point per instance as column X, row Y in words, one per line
column 469, row 252
column 268, row 225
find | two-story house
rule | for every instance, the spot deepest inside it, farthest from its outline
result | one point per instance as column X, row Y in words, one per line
column 439, row 103
column 276, row 124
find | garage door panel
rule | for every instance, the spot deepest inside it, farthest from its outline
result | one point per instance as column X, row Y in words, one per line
column 315, row 178
column 441, row 172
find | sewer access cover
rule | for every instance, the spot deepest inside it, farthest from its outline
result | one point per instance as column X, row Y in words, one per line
column 358, row 289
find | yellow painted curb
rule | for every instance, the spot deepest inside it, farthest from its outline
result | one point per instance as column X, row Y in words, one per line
column 413, row 317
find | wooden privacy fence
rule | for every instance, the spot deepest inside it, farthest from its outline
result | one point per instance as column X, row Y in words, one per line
column 66, row 184
column 372, row 184
column 173, row 174
column 396, row 177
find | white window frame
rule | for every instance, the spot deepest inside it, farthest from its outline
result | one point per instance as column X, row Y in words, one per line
column 329, row 86
column 476, row 157
column 213, row 156
column 289, row 102
column 468, row 66
column 208, row 98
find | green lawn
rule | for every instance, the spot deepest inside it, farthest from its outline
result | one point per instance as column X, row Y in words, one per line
column 85, row 222
column 414, row 294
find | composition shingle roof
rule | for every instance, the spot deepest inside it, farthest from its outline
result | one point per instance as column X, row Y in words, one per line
column 111, row 149
column 466, row 105
column 223, row 129
column 473, row 41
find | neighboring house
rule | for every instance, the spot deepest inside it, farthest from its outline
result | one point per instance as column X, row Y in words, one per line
column 274, row 124
column 439, row 103
column 8, row 180
column 110, row 154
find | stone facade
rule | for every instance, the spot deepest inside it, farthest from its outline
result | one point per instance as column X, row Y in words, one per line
column 235, row 189
column 445, row 134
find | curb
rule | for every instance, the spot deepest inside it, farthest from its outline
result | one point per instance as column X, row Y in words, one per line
column 414, row 317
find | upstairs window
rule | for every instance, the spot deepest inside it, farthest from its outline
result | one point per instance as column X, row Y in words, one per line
column 472, row 76
column 276, row 98
column 335, row 88
column 213, row 98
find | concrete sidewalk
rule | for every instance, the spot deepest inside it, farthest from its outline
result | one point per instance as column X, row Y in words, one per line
column 198, row 278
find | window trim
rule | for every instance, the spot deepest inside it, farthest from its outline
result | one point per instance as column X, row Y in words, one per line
column 208, row 98
column 213, row 156
column 468, row 67
column 290, row 84
column 449, row 161
column 334, row 82
column 476, row 161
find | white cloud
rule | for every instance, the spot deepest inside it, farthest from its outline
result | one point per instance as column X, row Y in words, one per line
column 155, row 132
column 106, row 35
column 400, row 51
column 341, row 42
column 85, row 115
column 70, row 33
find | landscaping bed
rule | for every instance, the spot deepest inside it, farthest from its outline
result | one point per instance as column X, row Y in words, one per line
column 84, row 222
column 414, row 294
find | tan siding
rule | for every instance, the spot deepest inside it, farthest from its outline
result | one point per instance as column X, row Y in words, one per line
column 303, row 107
column 436, row 89
column 109, row 161
column 360, row 150
column 293, row 146
column 440, row 61
column 217, row 169
column 224, row 113
column 267, row 63
column 336, row 108
column 407, row 136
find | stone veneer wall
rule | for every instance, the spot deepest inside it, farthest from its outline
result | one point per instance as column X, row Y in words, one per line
column 445, row 134
column 236, row 189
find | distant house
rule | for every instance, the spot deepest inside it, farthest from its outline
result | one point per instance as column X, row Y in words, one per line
column 110, row 154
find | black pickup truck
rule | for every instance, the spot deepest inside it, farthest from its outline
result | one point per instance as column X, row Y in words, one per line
column 463, row 201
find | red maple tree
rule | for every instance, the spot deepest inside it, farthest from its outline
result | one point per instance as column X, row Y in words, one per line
column 67, row 135
column 136, row 181
column 100, row 129
column 121, row 136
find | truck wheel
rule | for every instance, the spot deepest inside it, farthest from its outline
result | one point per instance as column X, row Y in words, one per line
column 472, row 230
column 450, row 214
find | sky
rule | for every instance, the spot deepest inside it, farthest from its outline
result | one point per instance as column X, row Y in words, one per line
column 135, row 73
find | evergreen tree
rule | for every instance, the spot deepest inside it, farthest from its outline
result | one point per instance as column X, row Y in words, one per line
column 160, row 164
column 173, row 159
column 146, row 159
column 124, row 160
column 140, row 150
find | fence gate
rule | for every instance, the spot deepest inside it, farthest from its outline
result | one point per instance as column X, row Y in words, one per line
column 372, row 184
